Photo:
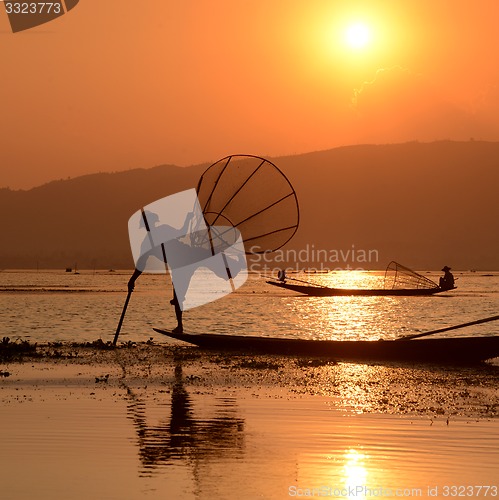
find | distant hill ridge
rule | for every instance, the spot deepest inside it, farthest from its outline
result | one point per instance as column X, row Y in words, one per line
column 422, row 204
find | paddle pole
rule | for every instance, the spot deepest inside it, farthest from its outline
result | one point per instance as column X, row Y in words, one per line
column 301, row 281
column 307, row 282
column 117, row 334
column 440, row 330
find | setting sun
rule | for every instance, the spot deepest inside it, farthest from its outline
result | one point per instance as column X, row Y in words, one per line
column 357, row 36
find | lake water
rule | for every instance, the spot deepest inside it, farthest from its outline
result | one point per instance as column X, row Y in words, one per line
column 204, row 427
column 48, row 306
column 176, row 441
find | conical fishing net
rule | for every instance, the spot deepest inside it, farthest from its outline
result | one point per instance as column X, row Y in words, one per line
column 252, row 195
column 398, row 277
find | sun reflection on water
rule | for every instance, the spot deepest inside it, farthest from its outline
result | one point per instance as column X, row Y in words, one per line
column 351, row 317
column 351, row 279
column 354, row 471
column 346, row 318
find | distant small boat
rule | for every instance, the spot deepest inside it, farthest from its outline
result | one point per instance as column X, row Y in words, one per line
column 457, row 350
column 399, row 281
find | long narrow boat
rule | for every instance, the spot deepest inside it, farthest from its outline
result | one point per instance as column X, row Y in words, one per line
column 399, row 281
column 323, row 291
column 458, row 350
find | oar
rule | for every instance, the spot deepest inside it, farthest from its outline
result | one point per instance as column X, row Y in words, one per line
column 301, row 281
column 127, row 300
column 440, row 330
column 117, row 334
column 308, row 282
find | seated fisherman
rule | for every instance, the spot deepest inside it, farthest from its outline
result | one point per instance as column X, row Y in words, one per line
column 447, row 280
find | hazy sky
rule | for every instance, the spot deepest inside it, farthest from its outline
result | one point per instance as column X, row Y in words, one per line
column 118, row 84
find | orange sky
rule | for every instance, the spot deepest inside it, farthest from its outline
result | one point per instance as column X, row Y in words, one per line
column 118, row 84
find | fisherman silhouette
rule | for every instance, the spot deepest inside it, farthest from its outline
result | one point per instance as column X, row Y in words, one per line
column 447, row 280
column 281, row 275
column 183, row 252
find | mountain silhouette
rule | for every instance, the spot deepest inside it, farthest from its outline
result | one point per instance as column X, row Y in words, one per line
column 422, row 204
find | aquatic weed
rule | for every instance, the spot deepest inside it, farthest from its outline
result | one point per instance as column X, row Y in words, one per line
column 258, row 364
column 99, row 344
column 18, row 348
column 315, row 363
column 129, row 344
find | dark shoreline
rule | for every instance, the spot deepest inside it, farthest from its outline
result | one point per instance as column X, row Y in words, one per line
column 404, row 389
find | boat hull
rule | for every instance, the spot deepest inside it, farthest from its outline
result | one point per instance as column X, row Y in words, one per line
column 463, row 350
column 317, row 291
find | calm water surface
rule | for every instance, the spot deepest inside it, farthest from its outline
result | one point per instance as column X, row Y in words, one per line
column 180, row 444
column 53, row 305
column 177, row 438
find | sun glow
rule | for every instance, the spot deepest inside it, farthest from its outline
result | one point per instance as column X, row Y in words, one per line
column 355, row 472
column 357, row 36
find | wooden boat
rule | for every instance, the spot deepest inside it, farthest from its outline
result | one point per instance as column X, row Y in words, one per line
column 399, row 281
column 323, row 291
column 458, row 350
